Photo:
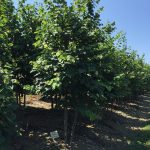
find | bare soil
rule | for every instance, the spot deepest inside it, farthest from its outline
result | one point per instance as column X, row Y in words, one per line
column 120, row 127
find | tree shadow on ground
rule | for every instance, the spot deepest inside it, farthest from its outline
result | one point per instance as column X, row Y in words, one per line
column 123, row 130
column 120, row 129
column 35, row 125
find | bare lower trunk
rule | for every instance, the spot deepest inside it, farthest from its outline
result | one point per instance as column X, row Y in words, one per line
column 24, row 103
column 73, row 127
column 19, row 97
column 52, row 102
column 55, row 99
column 65, row 124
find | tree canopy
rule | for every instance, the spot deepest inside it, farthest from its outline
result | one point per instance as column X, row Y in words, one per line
column 67, row 55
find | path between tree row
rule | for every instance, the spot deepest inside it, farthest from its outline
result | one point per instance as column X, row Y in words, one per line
column 122, row 128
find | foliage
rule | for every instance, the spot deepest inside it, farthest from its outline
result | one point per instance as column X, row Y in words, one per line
column 65, row 51
column 7, row 103
column 73, row 45
column 7, row 116
column 80, row 59
column 7, row 108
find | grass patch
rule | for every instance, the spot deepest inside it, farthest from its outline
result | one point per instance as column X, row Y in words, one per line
column 142, row 141
column 146, row 135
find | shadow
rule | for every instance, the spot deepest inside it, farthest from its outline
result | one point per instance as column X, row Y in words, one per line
column 121, row 128
column 35, row 125
column 40, row 119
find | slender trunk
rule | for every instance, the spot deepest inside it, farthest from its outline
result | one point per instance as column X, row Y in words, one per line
column 65, row 124
column 111, row 106
column 19, row 98
column 56, row 101
column 73, row 127
column 21, row 94
column 24, row 100
column 52, row 102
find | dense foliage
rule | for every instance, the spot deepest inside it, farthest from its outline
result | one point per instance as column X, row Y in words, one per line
column 7, row 103
column 7, row 108
column 71, row 58
column 80, row 60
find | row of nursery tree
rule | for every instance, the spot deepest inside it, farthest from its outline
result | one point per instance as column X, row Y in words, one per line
column 65, row 53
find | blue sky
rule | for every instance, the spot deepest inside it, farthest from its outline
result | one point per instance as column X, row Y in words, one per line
column 132, row 17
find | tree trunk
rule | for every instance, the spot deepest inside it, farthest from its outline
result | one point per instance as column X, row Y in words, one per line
column 52, row 102
column 65, row 124
column 73, row 127
column 24, row 100
column 56, row 101
column 19, row 99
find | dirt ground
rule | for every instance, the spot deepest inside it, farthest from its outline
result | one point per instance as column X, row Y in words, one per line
column 121, row 128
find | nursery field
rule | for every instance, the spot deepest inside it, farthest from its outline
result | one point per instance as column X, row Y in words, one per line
column 122, row 127
column 68, row 81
